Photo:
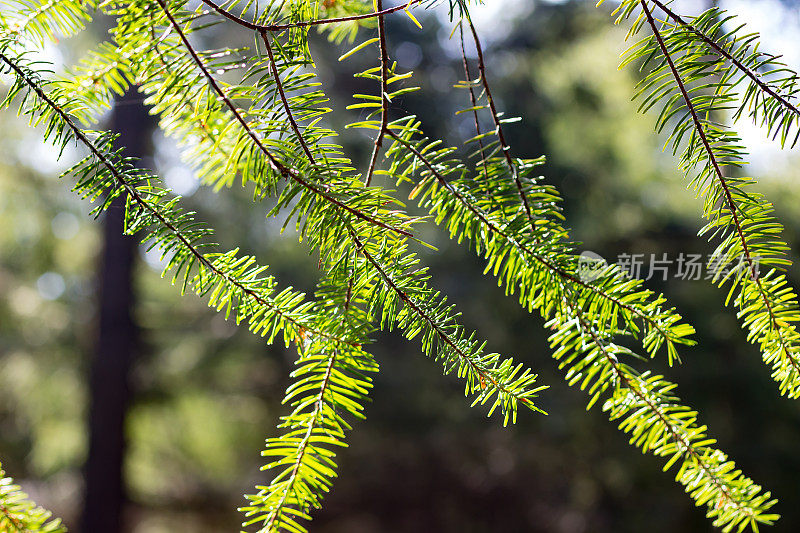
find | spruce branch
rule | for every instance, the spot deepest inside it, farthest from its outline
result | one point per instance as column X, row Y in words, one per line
column 479, row 374
column 384, row 68
column 787, row 367
column 528, row 250
column 747, row 507
column 733, row 500
column 724, row 53
column 330, row 381
column 344, row 381
column 731, row 205
column 751, row 81
column 286, row 106
column 184, row 229
column 653, row 416
column 301, row 450
column 284, row 170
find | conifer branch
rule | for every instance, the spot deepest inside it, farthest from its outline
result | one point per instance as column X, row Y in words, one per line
column 330, row 382
column 622, row 378
column 287, row 108
column 285, row 171
column 384, row 67
column 527, row 250
column 722, row 52
column 731, row 205
column 484, row 375
column 277, row 511
column 362, row 233
column 300, row 327
column 325, row 233
column 504, row 146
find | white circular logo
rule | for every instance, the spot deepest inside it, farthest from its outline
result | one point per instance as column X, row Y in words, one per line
column 590, row 266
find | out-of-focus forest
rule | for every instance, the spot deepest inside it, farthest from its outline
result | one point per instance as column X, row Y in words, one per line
column 205, row 395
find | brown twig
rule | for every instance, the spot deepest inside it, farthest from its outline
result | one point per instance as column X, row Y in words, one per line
column 279, row 167
column 727, row 55
column 731, row 205
column 483, row 217
column 506, row 149
column 282, row 93
column 306, row 23
column 384, row 56
column 473, row 100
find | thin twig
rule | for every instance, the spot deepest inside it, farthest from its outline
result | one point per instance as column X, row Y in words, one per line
column 305, row 23
column 473, row 100
column 727, row 55
column 279, row 167
column 483, row 217
column 753, row 269
column 498, row 125
column 384, row 57
column 282, row 93
column 144, row 204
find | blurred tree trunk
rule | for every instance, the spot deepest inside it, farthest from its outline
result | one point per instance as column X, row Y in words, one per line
column 116, row 344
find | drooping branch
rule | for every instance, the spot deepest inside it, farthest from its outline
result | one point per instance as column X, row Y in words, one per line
column 484, row 376
column 489, row 368
column 134, row 194
column 688, row 450
column 528, row 251
column 384, row 60
column 279, row 167
column 731, row 205
column 286, row 107
column 721, row 51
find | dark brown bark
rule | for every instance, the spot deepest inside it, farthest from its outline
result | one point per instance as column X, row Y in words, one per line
column 115, row 351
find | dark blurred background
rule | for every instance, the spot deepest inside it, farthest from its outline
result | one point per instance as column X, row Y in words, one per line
column 203, row 395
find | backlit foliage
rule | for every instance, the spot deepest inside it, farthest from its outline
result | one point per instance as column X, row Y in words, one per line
column 257, row 116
